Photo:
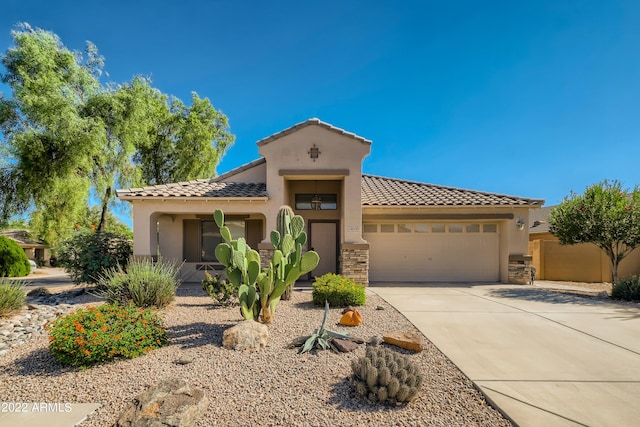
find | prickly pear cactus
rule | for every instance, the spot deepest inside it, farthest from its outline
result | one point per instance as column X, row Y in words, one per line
column 386, row 377
column 288, row 223
column 259, row 292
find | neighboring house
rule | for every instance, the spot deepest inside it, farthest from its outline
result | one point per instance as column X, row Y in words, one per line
column 584, row 262
column 366, row 227
column 35, row 250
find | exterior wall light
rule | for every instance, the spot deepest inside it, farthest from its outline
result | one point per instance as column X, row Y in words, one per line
column 520, row 224
column 314, row 152
column 316, row 202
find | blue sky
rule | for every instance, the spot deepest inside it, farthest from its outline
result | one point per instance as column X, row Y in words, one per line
column 533, row 99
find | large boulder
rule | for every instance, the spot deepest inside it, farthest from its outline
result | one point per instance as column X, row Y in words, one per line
column 407, row 340
column 172, row 403
column 248, row 335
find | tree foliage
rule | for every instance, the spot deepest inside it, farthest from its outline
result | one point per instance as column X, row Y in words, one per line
column 89, row 254
column 183, row 143
column 13, row 260
column 67, row 135
column 606, row 215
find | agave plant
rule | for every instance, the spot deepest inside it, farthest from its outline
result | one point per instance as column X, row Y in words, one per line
column 321, row 337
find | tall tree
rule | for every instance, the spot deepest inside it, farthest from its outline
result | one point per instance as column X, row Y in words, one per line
column 606, row 215
column 184, row 143
column 47, row 140
column 67, row 136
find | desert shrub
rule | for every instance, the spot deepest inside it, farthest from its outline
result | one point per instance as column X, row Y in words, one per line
column 12, row 297
column 386, row 377
column 338, row 290
column 13, row 260
column 88, row 254
column 144, row 283
column 40, row 262
column 627, row 289
column 220, row 290
column 99, row 334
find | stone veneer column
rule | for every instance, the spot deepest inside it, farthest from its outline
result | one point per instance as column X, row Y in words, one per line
column 354, row 262
column 520, row 269
column 266, row 253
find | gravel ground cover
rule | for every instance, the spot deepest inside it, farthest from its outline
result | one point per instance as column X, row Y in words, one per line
column 271, row 387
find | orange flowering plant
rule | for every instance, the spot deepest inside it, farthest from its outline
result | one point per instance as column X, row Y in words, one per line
column 98, row 334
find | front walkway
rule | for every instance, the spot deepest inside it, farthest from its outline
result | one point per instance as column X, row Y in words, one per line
column 544, row 358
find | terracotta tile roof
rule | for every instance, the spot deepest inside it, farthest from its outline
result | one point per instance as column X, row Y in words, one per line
column 379, row 191
column 310, row 122
column 198, row 188
column 376, row 191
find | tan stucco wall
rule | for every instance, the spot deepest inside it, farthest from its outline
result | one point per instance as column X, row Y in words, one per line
column 170, row 213
column 254, row 174
column 578, row 263
column 337, row 153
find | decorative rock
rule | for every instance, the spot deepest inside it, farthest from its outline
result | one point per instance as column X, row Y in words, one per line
column 357, row 340
column 38, row 292
column 185, row 360
column 30, row 323
column 375, row 340
column 344, row 346
column 248, row 335
column 379, row 307
column 348, row 308
column 172, row 403
column 407, row 340
column 351, row 318
column 297, row 342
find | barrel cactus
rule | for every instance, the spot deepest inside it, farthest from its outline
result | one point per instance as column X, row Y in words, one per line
column 385, row 376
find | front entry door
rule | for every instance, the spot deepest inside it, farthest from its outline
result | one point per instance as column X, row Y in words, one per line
column 323, row 238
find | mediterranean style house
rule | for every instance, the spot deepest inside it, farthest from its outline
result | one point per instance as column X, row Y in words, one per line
column 370, row 228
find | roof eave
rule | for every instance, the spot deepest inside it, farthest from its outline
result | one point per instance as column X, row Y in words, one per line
column 194, row 198
column 530, row 206
column 309, row 122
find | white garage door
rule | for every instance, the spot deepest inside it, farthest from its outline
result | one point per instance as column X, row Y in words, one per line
column 433, row 252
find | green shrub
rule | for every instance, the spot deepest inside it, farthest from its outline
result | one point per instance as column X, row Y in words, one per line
column 340, row 291
column 99, row 334
column 88, row 254
column 221, row 291
column 12, row 297
column 144, row 283
column 13, row 260
column 627, row 289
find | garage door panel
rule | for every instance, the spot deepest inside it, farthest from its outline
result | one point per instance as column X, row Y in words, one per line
column 433, row 257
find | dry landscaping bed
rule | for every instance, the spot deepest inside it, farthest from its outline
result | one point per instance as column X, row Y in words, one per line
column 274, row 386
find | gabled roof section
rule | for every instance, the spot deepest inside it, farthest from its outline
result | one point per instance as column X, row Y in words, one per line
column 380, row 191
column 310, row 122
column 239, row 169
column 201, row 188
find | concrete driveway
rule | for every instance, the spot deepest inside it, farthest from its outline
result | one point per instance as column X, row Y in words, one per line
column 544, row 358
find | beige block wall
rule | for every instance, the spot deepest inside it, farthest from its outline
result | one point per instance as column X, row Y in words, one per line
column 578, row 263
